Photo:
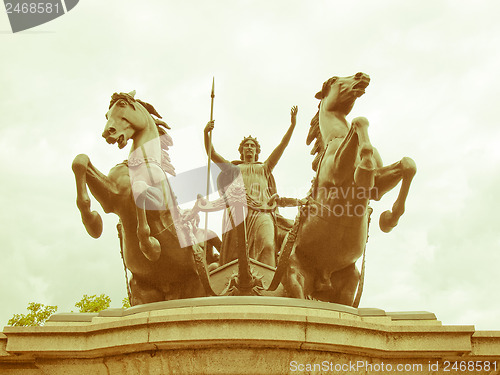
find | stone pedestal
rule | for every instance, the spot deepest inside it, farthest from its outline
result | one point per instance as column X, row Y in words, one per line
column 247, row 335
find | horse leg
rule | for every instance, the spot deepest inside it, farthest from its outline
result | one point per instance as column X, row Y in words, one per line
column 344, row 162
column 344, row 283
column 364, row 175
column 294, row 280
column 298, row 280
column 387, row 178
column 339, row 159
column 91, row 219
column 142, row 292
column 149, row 245
column 192, row 287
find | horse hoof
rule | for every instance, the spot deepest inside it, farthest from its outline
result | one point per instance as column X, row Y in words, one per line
column 93, row 224
column 151, row 249
column 387, row 221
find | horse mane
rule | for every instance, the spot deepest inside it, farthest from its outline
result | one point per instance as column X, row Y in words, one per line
column 165, row 138
column 314, row 130
column 318, row 147
column 165, row 143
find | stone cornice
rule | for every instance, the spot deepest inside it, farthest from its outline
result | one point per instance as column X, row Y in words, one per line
column 260, row 323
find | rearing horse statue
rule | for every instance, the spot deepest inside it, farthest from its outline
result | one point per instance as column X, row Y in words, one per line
column 158, row 246
column 331, row 229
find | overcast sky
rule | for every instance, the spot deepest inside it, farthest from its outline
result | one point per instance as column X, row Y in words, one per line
column 433, row 96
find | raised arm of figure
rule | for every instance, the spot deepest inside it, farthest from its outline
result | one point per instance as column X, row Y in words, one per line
column 275, row 156
column 209, row 147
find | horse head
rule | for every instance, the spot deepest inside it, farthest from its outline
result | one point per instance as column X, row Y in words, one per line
column 127, row 118
column 338, row 94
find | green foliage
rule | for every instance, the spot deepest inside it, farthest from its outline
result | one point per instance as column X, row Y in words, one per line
column 126, row 303
column 93, row 304
column 38, row 314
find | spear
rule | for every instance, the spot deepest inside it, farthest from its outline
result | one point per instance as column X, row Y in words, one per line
column 212, row 95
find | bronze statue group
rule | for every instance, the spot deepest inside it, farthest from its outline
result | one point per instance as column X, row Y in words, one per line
column 311, row 257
